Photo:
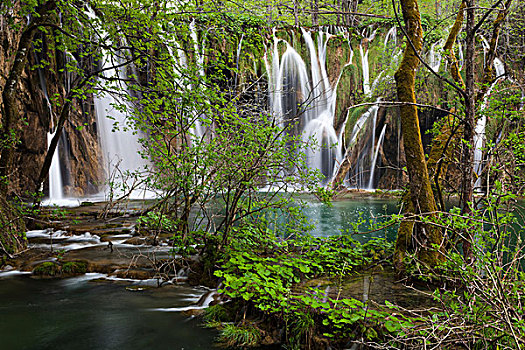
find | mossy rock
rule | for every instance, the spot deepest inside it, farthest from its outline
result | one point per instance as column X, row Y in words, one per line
column 73, row 268
column 50, row 269
column 47, row 269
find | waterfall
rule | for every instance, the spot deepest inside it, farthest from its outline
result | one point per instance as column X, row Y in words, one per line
column 479, row 130
column 479, row 135
column 374, row 159
column 303, row 100
column 199, row 130
column 56, row 190
column 366, row 72
column 391, row 35
column 119, row 139
column 461, row 58
column 434, row 56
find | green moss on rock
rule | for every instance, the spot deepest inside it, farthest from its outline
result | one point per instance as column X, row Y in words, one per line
column 47, row 269
column 74, row 268
column 54, row 269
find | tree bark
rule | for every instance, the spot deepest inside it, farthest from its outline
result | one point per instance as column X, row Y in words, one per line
column 421, row 195
column 467, row 151
column 449, row 46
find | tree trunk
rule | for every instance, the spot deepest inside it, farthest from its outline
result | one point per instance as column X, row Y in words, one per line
column 449, row 46
column 315, row 13
column 467, row 151
column 421, row 195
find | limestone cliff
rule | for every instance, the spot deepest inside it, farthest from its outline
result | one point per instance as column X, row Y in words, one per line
column 40, row 92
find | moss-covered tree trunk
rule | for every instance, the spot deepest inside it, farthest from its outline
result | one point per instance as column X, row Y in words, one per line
column 421, row 196
column 449, row 46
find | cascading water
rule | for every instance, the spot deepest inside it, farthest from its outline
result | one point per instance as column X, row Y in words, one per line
column 364, row 61
column 374, row 159
column 391, row 36
column 118, row 137
column 199, row 129
column 56, row 190
column 304, row 102
column 434, row 56
column 479, row 130
column 366, row 73
column 364, row 163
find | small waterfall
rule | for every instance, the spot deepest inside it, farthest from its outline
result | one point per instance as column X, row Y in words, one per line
column 364, row 61
column 461, row 58
column 199, row 130
column 479, row 130
column 499, row 67
column 391, row 35
column 374, row 159
column 56, row 190
column 366, row 72
column 479, row 135
column 434, row 56
column 372, row 111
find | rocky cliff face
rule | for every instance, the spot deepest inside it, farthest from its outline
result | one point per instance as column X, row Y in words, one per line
column 40, row 92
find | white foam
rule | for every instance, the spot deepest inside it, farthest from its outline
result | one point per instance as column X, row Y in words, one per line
column 10, row 273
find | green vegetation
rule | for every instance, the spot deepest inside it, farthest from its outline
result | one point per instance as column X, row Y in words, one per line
column 214, row 144
column 57, row 269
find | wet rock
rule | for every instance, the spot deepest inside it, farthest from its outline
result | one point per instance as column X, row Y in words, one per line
column 194, row 312
column 135, row 241
column 136, row 274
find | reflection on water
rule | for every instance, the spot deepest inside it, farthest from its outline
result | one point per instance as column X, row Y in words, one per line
column 82, row 314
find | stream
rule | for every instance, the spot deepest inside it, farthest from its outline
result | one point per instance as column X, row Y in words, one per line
column 101, row 311
column 87, row 312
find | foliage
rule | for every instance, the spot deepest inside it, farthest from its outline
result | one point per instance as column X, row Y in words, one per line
column 268, row 278
column 477, row 305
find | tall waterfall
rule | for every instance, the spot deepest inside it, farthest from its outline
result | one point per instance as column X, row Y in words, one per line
column 119, row 138
column 303, row 100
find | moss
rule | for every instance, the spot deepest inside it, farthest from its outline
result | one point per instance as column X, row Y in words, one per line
column 54, row 269
column 74, row 268
column 47, row 269
column 421, row 194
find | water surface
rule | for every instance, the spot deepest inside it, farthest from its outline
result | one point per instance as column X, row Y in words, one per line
column 82, row 314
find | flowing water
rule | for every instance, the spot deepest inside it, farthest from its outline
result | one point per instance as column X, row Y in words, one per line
column 95, row 311
column 82, row 313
